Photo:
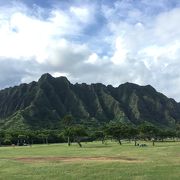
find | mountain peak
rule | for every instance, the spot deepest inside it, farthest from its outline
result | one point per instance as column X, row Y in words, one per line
column 46, row 76
column 63, row 79
column 149, row 87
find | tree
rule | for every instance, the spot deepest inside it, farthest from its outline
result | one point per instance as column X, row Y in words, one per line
column 68, row 122
column 7, row 139
column 68, row 133
column 131, row 133
column 99, row 135
column 149, row 132
column 44, row 137
column 21, row 139
column 116, row 131
column 75, row 133
column 78, row 133
column 31, row 136
column 1, row 137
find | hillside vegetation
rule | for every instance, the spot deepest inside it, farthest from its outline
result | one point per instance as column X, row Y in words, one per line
column 43, row 104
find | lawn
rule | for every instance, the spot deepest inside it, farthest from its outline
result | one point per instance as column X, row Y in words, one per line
column 92, row 161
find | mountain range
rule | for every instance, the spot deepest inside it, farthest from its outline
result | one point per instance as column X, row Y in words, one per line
column 43, row 104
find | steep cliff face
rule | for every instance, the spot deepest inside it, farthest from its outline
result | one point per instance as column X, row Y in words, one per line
column 44, row 103
column 144, row 103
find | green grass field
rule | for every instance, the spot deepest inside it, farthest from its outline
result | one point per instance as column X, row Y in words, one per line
column 92, row 161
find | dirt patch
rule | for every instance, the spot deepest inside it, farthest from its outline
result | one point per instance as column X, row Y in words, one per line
column 76, row 159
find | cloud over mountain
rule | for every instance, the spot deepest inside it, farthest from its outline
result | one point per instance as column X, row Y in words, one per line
column 135, row 41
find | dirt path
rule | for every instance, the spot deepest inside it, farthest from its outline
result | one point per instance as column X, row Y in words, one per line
column 77, row 159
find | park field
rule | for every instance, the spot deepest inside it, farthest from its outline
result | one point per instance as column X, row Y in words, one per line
column 93, row 161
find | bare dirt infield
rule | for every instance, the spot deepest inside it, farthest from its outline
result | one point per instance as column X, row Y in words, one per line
column 76, row 159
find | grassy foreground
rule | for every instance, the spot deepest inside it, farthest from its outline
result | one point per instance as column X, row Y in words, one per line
column 110, row 161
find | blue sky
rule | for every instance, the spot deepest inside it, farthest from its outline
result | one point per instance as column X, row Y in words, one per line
column 91, row 41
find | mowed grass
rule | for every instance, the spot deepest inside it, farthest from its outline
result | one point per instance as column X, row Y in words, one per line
column 159, row 162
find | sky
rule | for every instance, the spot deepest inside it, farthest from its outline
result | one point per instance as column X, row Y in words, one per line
column 106, row 41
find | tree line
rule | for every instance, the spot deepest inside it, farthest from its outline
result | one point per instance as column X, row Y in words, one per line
column 77, row 133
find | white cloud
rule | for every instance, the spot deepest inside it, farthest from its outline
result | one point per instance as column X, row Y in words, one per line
column 136, row 47
column 62, row 53
column 149, row 49
column 25, row 36
column 93, row 58
column 83, row 14
column 166, row 26
column 58, row 74
column 120, row 54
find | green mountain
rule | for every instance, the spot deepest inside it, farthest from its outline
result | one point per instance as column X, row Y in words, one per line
column 43, row 104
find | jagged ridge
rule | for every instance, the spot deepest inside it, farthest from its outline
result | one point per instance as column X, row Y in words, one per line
column 44, row 103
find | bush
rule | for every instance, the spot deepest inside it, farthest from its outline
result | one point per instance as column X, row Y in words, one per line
column 7, row 142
